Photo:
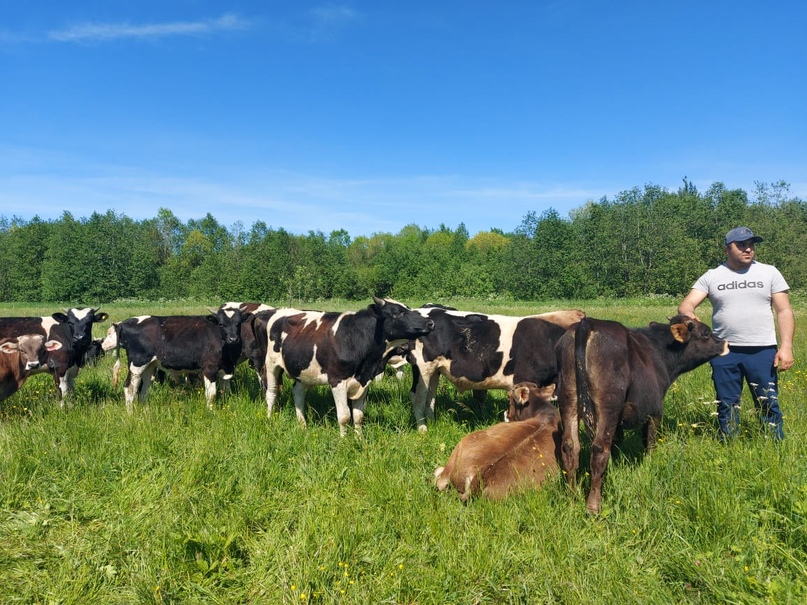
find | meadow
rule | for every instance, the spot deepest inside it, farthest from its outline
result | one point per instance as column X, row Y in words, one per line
column 177, row 504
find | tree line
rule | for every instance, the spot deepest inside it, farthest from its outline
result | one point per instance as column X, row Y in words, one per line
column 644, row 241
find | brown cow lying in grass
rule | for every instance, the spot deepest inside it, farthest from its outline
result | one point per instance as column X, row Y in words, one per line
column 506, row 457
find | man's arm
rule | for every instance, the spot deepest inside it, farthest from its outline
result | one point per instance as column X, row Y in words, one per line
column 691, row 300
column 786, row 322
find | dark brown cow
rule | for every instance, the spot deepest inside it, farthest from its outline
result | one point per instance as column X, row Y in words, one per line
column 508, row 456
column 342, row 350
column 20, row 357
column 615, row 377
column 477, row 352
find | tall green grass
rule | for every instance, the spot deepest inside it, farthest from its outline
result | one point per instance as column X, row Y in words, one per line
column 175, row 504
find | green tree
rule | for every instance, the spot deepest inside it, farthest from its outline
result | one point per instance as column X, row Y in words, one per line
column 64, row 266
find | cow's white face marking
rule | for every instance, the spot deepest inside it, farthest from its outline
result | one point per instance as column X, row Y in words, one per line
column 48, row 323
column 81, row 313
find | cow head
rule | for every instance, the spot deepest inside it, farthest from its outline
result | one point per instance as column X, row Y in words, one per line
column 110, row 341
column 527, row 400
column 229, row 320
column 33, row 350
column 80, row 321
column 399, row 322
column 694, row 342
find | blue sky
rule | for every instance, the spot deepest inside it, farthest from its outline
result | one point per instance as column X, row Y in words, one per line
column 371, row 115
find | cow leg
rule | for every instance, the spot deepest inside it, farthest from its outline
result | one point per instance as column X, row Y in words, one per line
column 434, row 380
column 480, row 396
column 66, row 384
column 272, row 377
column 600, row 454
column 649, row 432
column 298, row 390
column 342, row 407
column 570, row 446
column 147, row 378
column 358, row 414
column 115, row 374
column 211, row 383
column 419, row 395
column 137, row 384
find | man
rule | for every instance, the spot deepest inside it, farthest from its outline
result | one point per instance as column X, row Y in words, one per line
column 742, row 292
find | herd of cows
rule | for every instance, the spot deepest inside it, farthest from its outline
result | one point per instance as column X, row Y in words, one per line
column 559, row 368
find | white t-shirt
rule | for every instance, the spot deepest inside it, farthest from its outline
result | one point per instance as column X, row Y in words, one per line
column 741, row 302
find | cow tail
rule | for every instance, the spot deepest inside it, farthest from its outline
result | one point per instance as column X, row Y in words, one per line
column 584, row 402
column 116, row 367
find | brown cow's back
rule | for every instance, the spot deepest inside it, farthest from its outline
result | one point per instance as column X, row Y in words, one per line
column 504, row 458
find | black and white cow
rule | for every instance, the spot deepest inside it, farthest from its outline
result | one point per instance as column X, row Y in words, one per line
column 477, row 352
column 177, row 344
column 342, row 350
column 73, row 330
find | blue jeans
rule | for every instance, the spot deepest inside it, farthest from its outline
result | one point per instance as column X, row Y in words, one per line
column 755, row 366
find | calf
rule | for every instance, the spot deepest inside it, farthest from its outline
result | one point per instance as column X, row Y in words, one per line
column 186, row 344
column 72, row 329
column 342, row 350
column 477, row 352
column 615, row 377
column 21, row 357
column 94, row 352
column 506, row 457
column 250, row 344
column 527, row 399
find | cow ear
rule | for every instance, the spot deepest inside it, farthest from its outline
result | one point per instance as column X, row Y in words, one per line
column 53, row 345
column 680, row 332
column 212, row 319
column 61, row 317
column 10, row 346
column 100, row 317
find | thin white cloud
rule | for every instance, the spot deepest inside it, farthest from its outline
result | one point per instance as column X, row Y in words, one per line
column 328, row 19
column 334, row 14
column 104, row 32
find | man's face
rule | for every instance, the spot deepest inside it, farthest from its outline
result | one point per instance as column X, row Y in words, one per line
column 740, row 255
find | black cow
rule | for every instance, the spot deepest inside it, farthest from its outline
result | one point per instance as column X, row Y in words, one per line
column 343, row 350
column 615, row 377
column 250, row 344
column 94, row 352
column 177, row 344
column 477, row 352
column 72, row 329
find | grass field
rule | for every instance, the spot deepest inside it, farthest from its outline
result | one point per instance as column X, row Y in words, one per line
column 175, row 504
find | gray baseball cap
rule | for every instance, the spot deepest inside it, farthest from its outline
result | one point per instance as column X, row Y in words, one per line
column 741, row 234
